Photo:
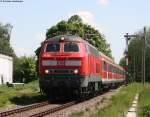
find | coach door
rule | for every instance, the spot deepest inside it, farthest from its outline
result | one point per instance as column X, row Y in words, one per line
column 105, row 68
column 107, row 71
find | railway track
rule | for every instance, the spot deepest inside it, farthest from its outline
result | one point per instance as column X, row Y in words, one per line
column 63, row 106
column 34, row 106
column 40, row 113
column 50, row 111
column 23, row 109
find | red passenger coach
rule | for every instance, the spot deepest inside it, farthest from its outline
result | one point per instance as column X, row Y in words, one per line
column 112, row 74
column 70, row 65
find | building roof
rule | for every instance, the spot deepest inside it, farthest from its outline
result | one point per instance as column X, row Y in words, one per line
column 4, row 56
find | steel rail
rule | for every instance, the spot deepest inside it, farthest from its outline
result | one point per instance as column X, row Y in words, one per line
column 50, row 111
column 22, row 109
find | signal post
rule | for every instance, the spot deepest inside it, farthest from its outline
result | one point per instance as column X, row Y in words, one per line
column 127, row 37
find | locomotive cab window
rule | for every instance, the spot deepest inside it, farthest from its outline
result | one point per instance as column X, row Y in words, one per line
column 71, row 47
column 52, row 47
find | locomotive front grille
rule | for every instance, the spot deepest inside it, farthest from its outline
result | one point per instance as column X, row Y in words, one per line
column 61, row 71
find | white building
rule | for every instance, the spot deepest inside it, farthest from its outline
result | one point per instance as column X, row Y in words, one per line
column 6, row 69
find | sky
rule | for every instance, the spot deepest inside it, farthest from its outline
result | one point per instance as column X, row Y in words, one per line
column 113, row 18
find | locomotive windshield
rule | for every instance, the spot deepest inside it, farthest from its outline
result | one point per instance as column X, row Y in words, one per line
column 53, row 47
column 71, row 47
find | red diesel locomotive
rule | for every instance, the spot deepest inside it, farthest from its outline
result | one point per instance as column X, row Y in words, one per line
column 70, row 65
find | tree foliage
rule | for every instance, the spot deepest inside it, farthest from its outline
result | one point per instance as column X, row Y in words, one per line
column 25, row 70
column 135, row 54
column 122, row 62
column 5, row 46
column 75, row 26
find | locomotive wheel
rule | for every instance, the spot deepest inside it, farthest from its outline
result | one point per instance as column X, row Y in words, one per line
column 91, row 89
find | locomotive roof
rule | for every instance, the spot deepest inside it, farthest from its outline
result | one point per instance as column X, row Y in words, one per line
column 66, row 38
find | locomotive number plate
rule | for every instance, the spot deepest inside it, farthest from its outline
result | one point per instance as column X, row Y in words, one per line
column 60, row 62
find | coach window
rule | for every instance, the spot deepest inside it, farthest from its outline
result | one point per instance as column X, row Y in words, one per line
column 110, row 68
column 117, row 70
column 71, row 47
column 121, row 72
column 52, row 47
column 114, row 70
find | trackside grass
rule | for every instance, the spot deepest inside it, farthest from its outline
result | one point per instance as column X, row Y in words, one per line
column 19, row 95
column 118, row 104
column 144, row 102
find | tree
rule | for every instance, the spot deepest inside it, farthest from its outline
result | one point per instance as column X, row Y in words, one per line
column 75, row 19
column 122, row 62
column 25, row 70
column 135, row 53
column 5, row 46
column 75, row 26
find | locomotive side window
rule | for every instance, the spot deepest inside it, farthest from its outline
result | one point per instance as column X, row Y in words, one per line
column 53, row 47
column 97, row 68
column 92, row 51
column 104, row 66
column 71, row 47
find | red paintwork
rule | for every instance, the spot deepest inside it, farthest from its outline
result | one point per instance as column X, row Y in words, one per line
column 61, row 56
column 88, row 62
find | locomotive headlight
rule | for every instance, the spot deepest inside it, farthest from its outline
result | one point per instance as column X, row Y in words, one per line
column 76, row 71
column 46, row 71
column 62, row 39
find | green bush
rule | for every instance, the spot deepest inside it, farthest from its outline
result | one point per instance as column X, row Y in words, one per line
column 146, row 111
column 144, row 102
column 25, row 69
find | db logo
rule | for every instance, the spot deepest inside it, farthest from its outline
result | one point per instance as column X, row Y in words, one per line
column 60, row 62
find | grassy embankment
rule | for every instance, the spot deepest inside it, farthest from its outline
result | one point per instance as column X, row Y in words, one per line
column 120, row 103
column 19, row 95
column 144, row 102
